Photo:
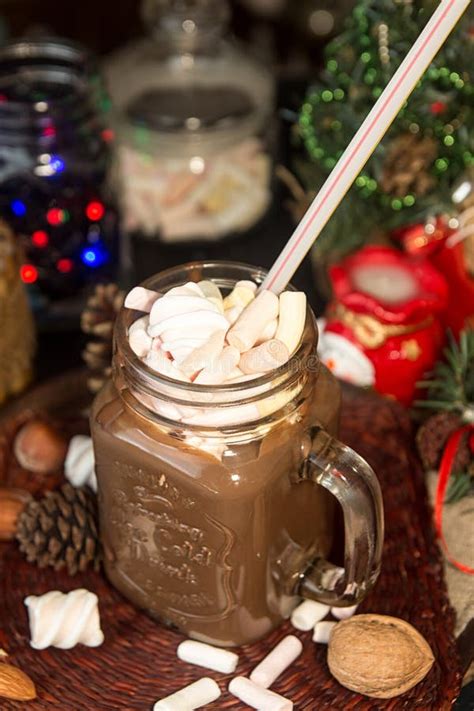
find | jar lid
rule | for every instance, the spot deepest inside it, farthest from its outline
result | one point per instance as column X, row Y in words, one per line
column 48, row 50
column 186, row 24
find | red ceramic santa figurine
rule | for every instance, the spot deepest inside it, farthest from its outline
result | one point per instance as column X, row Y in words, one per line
column 383, row 327
column 450, row 249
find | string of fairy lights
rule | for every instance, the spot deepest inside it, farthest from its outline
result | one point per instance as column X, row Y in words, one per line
column 441, row 106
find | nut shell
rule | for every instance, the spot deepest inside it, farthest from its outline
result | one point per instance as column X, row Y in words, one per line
column 15, row 684
column 12, row 503
column 378, row 656
column 39, row 448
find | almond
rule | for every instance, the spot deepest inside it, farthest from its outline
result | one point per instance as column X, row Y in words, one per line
column 39, row 447
column 378, row 656
column 15, row 684
column 12, row 503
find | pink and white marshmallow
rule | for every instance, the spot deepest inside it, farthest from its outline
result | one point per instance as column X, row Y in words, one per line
column 184, row 322
column 263, row 358
column 255, row 317
column 204, row 338
column 219, row 370
column 204, row 355
column 139, row 339
column 291, row 319
column 141, row 299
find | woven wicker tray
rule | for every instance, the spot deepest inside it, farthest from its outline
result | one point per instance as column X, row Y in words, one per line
column 137, row 664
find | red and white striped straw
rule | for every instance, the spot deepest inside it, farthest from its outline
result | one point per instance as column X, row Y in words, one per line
column 365, row 141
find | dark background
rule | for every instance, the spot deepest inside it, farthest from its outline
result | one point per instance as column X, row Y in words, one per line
column 103, row 25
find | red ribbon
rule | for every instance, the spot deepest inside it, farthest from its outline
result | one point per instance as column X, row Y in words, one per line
column 444, row 473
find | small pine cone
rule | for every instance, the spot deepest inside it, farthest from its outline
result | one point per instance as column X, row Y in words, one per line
column 432, row 437
column 97, row 321
column 101, row 310
column 406, row 166
column 60, row 530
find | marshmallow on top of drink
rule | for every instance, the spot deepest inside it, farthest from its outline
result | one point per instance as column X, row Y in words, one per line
column 194, row 334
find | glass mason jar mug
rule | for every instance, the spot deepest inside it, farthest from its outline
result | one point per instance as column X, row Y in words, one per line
column 217, row 502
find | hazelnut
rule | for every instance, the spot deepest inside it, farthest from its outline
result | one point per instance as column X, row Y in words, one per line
column 39, row 448
column 12, row 503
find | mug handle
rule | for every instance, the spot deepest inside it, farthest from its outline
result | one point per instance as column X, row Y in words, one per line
column 353, row 482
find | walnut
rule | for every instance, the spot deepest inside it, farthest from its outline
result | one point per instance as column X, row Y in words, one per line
column 378, row 656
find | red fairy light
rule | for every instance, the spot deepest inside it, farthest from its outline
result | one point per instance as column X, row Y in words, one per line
column 65, row 265
column 28, row 273
column 40, row 239
column 95, row 211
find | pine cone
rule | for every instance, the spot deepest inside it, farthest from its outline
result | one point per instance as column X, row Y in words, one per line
column 431, row 439
column 60, row 530
column 406, row 165
column 97, row 321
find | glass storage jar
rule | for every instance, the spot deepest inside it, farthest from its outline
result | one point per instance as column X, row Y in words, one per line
column 190, row 110
column 54, row 164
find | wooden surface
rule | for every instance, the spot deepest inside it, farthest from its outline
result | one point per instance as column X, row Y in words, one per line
column 137, row 663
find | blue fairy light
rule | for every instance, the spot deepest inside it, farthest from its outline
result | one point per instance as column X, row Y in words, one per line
column 95, row 255
column 57, row 164
column 18, row 208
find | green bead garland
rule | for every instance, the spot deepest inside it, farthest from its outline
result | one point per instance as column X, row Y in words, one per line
column 374, row 75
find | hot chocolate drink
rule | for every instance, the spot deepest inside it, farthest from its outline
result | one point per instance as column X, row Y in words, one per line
column 210, row 517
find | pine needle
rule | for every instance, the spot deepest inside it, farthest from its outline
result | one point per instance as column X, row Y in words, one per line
column 451, row 386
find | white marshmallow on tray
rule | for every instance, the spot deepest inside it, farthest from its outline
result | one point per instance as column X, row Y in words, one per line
column 343, row 613
column 79, row 466
column 254, row 318
column 305, row 616
column 257, row 697
column 277, row 661
column 205, row 655
column 141, row 299
column 322, row 631
column 199, row 693
column 292, row 318
column 261, row 359
column 64, row 619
